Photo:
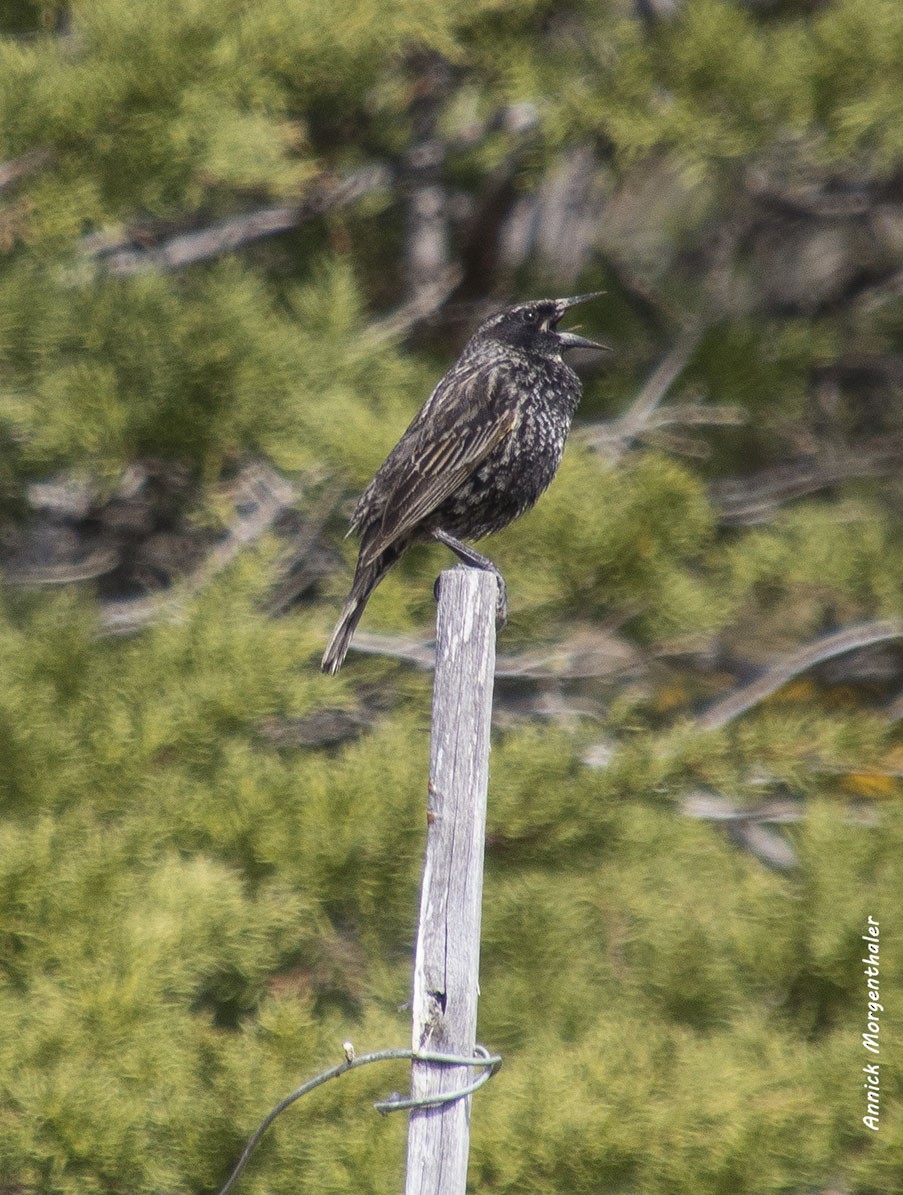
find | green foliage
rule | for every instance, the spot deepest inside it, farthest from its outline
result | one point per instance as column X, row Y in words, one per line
column 722, row 85
column 819, row 562
column 185, row 948
column 598, row 544
column 855, row 73
column 200, row 369
column 764, row 365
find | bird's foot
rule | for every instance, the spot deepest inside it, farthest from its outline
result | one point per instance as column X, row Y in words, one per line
column 468, row 555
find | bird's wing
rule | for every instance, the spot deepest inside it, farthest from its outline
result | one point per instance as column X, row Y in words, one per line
column 439, row 451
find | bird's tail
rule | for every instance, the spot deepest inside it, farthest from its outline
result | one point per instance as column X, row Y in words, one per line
column 366, row 579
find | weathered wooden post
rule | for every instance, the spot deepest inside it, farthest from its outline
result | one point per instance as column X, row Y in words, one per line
column 447, row 959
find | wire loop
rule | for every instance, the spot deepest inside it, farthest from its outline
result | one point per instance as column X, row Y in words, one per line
column 491, row 1062
column 483, row 1058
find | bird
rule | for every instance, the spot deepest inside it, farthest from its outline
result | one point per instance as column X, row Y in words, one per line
column 478, row 454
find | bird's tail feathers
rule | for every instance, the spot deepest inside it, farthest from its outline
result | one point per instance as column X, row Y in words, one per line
column 366, row 579
column 337, row 648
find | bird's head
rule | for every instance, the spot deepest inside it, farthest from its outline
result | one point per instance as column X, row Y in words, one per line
column 535, row 326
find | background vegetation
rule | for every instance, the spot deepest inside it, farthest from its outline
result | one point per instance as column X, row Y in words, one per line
column 240, row 243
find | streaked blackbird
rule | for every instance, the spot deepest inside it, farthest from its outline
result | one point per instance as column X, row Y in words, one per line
column 482, row 449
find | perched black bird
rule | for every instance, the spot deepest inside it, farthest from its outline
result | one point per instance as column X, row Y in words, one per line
column 482, row 449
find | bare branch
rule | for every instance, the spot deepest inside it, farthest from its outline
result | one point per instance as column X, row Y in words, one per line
column 808, row 200
column 755, row 499
column 894, row 712
column 698, row 415
column 302, row 565
column 70, row 572
column 791, row 665
column 613, row 437
column 423, row 304
column 419, row 652
column 259, row 487
column 660, row 382
column 609, row 438
column 878, row 292
column 581, row 657
column 123, row 257
column 18, row 168
column 713, row 807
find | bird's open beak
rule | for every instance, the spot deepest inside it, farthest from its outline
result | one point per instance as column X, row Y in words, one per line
column 570, row 340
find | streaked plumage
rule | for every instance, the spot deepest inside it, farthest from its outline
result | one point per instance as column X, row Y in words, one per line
column 478, row 454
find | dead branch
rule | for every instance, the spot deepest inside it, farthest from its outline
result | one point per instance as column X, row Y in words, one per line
column 615, row 436
column 124, row 257
column 423, row 304
column 70, row 572
column 894, row 711
column 15, row 169
column 791, row 665
column 266, row 494
column 755, row 499
column 300, row 567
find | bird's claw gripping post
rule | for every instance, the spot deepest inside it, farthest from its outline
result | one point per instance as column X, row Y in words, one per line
column 473, row 558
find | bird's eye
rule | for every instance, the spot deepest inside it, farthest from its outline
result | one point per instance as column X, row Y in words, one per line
column 529, row 315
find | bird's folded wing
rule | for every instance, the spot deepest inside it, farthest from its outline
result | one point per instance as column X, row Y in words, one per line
column 435, row 469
